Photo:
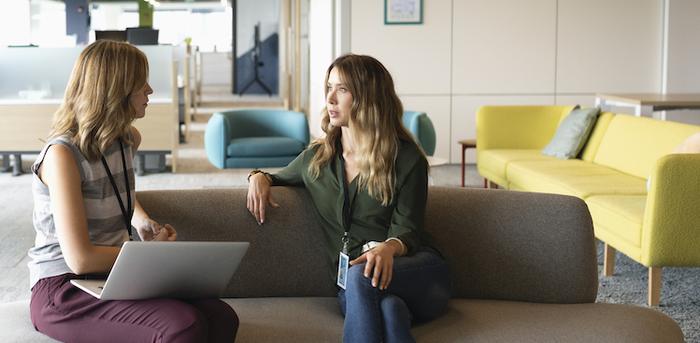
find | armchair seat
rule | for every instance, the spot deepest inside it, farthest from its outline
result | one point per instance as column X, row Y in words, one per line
column 264, row 146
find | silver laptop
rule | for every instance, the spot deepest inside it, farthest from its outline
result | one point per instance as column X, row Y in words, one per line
column 187, row 270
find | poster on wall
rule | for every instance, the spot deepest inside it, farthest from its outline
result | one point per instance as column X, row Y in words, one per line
column 403, row 12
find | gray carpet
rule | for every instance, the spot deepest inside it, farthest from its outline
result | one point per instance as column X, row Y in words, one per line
column 680, row 298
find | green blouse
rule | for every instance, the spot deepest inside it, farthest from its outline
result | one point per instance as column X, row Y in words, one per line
column 402, row 218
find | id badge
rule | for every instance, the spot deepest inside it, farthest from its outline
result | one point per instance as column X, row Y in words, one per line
column 343, row 265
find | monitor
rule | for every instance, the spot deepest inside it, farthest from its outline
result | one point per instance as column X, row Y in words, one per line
column 142, row 35
column 118, row 35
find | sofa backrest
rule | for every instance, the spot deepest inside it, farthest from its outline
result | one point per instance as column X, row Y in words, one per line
column 499, row 244
column 501, row 127
column 633, row 144
column 593, row 143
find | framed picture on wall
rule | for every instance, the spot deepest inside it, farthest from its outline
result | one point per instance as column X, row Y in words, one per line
column 401, row 12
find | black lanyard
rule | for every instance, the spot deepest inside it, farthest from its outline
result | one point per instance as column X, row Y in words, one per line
column 126, row 213
column 347, row 205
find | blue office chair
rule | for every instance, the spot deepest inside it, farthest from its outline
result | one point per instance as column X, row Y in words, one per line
column 255, row 138
column 419, row 124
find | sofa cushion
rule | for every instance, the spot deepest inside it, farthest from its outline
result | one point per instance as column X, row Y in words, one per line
column 619, row 218
column 264, row 146
column 572, row 133
column 506, row 321
column 319, row 320
column 571, row 177
column 492, row 164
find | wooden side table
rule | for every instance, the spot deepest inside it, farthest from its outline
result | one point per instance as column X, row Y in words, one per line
column 466, row 144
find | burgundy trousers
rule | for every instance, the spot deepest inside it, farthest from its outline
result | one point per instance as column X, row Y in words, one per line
column 66, row 313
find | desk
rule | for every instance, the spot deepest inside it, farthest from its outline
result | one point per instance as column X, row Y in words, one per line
column 647, row 103
column 466, row 144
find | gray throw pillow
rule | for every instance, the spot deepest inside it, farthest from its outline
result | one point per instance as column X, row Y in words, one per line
column 572, row 133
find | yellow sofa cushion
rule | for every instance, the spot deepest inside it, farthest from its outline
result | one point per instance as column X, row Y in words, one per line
column 492, row 163
column 634, row 144
column 571, row 177
column 617, row 220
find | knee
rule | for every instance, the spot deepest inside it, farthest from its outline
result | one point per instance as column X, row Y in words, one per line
column 357, row 280
column 186, row 324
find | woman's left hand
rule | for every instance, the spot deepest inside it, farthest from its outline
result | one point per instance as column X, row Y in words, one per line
column 379, row 264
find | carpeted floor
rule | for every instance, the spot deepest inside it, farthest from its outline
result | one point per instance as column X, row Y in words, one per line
column 680, row 297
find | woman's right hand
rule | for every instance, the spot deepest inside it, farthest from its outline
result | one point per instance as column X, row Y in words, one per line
column 259, row 196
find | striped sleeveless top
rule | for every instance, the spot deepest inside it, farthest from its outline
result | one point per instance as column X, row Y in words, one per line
column 104, row 217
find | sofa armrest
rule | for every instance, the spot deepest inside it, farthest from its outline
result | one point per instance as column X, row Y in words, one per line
column 217, row 136
column 520, row 246
column 517, row 127
column 671, row 217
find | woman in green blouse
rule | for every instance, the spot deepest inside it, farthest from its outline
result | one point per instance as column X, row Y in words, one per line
column 369, row 182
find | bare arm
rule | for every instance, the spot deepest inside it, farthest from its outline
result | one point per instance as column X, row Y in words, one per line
column 59, row 172
column 147, row 228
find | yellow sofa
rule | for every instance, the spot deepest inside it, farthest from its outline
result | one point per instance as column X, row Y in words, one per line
column 657, row 227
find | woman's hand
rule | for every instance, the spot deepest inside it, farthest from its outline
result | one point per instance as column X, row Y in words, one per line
column 150, row 230
column 259, row 196
column 380, row 263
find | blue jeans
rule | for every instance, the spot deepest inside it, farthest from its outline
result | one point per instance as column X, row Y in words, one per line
column 418, row 292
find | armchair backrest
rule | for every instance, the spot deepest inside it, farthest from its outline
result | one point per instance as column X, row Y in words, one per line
column 267, row 122
column 419, row 124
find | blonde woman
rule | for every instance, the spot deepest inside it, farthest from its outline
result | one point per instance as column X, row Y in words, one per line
column 369, row 182
column 85, row 206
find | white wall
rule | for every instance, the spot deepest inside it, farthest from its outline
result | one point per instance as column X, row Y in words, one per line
column 469, row 53
column 321, row 47
column 417, row 56
column 684, row 54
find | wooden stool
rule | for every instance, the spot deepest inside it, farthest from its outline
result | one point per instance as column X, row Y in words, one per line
column 466, row 144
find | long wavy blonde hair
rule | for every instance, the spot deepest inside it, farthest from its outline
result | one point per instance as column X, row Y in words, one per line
column 96, row 109
column 375, row 123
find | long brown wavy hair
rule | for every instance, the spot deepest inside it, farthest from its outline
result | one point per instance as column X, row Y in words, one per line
column 96, row 110
column 375, row 123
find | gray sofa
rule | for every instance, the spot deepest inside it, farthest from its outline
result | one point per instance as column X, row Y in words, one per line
column 523, row 269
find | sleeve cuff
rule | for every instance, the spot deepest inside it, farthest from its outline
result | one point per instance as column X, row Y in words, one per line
column 404, row 250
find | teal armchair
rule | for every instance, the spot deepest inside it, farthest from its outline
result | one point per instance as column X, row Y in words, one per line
column 422, row 129
column 255, row 138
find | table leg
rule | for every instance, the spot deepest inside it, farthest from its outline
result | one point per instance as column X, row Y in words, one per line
column 5, row 163
column 464, row 149
column 17, row 165
column 140, row 164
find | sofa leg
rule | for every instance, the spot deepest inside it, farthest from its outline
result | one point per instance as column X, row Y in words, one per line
column 654, row 292
column 486, row 183
column 492, row 185
column 608, row 260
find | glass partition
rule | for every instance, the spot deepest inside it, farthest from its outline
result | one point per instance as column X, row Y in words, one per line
column 40, row 75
